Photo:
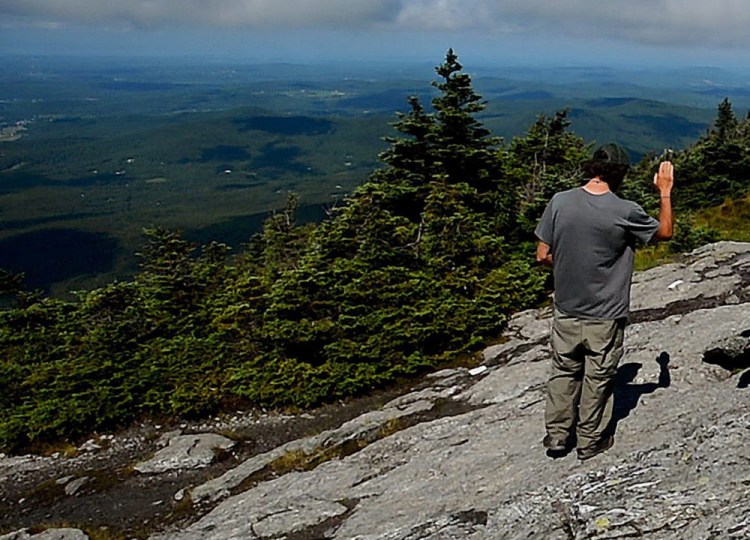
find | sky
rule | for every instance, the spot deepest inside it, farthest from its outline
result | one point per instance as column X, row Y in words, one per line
column 511, row 32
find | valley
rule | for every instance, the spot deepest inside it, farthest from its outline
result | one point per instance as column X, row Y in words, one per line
column 92, row 152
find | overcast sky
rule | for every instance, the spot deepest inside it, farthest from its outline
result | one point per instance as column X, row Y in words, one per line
column 574, row 32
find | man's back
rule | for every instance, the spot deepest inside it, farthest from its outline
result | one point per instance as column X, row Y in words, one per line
column 592, row 238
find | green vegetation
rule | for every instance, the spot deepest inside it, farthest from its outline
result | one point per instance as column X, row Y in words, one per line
column 710, row 194
column 421, row 263
column 730, row 220
column 113, row 147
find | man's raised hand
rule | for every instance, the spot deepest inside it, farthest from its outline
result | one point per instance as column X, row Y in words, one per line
column 665, row 177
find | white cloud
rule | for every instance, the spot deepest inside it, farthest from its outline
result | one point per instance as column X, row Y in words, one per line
column 668, row 22
column 438, row 14
column 251, row 13
column 697, row 22
column 678, row 22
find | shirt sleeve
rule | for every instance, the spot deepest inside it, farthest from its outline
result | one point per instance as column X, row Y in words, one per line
column 641, row 225
column 544, row 230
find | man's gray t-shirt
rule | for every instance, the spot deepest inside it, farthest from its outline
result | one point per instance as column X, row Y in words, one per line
column 593, row 239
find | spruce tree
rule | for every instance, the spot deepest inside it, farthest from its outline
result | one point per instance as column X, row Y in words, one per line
column 466, row 150
column 717, row 166
column 463, row 142
column 413, row 268
column 726, row 122
column 547, row 159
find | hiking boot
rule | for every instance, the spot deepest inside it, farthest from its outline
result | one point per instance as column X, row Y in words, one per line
column 596, row 448
column 555, row 445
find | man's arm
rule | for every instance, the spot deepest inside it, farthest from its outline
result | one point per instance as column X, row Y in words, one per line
column 543, row 254
column 664, row 180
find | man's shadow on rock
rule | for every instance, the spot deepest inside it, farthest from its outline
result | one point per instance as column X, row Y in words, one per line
column 627, row 395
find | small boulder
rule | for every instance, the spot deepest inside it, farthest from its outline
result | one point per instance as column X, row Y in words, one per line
column 185, row 452
column 75, row 486
column 49, row 534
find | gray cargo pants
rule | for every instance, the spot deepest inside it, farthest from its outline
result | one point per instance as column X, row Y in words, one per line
column 585, row 355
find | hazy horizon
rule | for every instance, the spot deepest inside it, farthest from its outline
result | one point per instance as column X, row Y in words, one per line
column 653, row 34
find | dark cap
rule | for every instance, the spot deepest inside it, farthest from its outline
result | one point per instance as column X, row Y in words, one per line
column 611, row 153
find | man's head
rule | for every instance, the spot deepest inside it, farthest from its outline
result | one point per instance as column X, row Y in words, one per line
column 610, row 163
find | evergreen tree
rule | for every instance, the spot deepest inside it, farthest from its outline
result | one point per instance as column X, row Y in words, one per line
column 717, row 166
column 414, row 266
column 463, row 143
column 638, row 185
column 279, row 246
column 546, row 160
column 726, row 122
column 466, row 151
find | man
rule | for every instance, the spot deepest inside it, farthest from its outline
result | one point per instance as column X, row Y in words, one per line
column 588, row 235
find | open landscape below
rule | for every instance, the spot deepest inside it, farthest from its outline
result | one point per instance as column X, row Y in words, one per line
column 92, row 151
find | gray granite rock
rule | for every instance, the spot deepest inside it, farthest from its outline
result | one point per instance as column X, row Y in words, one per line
column 525, row 330
column 49, row 534
column 680, row 467
column 89, row 446
column 362, row 428
column 185, row 452
column 64, row 480
column 708, row 275
column 75, row 486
